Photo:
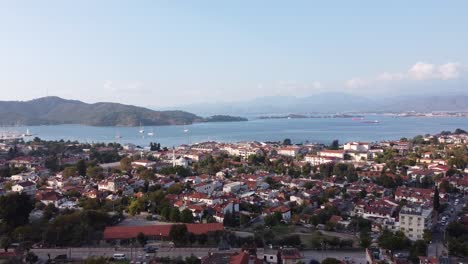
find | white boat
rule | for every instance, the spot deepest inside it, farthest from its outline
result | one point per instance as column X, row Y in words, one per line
column 151, row 133
column 27, row 134
column 142, row 129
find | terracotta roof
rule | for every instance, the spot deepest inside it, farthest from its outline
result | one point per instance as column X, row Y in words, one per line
column 126, row 232
column 241, row 258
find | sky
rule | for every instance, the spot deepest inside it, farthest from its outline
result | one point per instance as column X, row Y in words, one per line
column 170, row 53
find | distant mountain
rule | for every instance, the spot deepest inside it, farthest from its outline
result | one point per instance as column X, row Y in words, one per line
column 332, row 103
column 55, row 110
column 325, row 102
column 426, row 103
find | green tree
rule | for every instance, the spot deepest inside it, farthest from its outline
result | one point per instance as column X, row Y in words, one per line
column 335, row 144
column 186, row 216
column 31, row 257
column 5, row 242
column 427, row 236
column 331, row 261
column 174, row 215
column 81, row 167
column 69, row 172
column 287, row 142
column 136, row 206
column 178, row 234
column 126, row 164
column 365, row 239
column 436, row 199
column 15, row 209
column 141, row 238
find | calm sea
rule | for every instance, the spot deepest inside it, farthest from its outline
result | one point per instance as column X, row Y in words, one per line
column 321, row 130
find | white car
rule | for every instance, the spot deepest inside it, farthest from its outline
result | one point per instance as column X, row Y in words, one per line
column 119, row 256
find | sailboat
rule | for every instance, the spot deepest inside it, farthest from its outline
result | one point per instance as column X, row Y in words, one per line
column 142, row 129
column 27, row 134
column 151, row 133
column 186, row 129
column 118, row 136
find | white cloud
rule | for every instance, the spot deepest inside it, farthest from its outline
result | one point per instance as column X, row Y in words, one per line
column 108, row 84
column 356, row 83
column 386, row 76
column 449, row 70
column 317, row 85
column 420, row 71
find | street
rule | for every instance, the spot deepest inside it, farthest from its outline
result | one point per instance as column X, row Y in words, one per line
column 436, row 248
column 137, row 254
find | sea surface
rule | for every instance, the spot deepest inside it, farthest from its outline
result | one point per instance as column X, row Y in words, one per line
column 319, row 130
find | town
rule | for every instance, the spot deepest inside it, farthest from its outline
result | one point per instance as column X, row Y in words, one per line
column 398, row 201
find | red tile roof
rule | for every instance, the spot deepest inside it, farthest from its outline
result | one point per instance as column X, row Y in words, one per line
column 126, row 232
column 241, row 258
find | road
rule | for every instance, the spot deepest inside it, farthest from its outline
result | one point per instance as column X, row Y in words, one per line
column 436, row 248
column 358, row 256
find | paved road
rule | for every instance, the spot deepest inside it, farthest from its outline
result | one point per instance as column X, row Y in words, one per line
column 131, row 253
column 436, row 248
column 138, row 253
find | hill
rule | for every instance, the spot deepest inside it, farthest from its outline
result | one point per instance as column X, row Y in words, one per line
column 333, row 103
column 55, row 110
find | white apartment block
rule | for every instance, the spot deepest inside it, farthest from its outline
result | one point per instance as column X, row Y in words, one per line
column 414, row 220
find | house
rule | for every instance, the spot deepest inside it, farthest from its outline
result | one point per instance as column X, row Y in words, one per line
column 357, row 146
column 315, row 160
column 50, row 197
column 25, row 187
column 332, row 153
column 112, row 185
column 143, row 163
column 414, row 195
column 204, row 187
column 290, row 151
column 232, row 187
column 282, row 209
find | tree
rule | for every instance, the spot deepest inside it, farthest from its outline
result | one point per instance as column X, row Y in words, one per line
column 31, row 257
column 5, row 242
column 287, row 142
column 335, row 144
column 94, row 172
column 436, row 201
column 175, row 189
column 393, row 241
column 96, row 260
column 51, row 163
column 174, row 215
column 15, row 209
column 273, row 219
column 186, row 216
column 126, row 164
column 136, row 206
column 365, row 239
column 81, row 167
column 69, row 172
column 178, row 234
column 192, row 260
column 331, row 261
column 165, row 213
column 141, row 238
column 427, row 235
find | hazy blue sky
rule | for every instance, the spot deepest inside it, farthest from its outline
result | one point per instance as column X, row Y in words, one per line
column 179, row 52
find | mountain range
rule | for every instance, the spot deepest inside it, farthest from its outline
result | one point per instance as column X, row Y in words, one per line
column 333, row 103
column 55, row 110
